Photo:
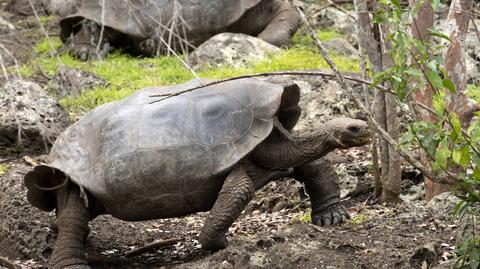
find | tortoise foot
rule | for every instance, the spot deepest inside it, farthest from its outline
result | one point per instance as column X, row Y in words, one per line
column 89, row 52
column 213, row 244
column 330, row 216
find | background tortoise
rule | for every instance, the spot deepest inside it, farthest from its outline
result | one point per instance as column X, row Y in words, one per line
column 135, row 25
column 208, row 149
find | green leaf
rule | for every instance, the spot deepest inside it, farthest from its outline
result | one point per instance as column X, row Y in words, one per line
column 449, row 85
column 437, row 33
column 414, row 73
column 461, row 156
column 456, row 125
column 438, row 104
column 434, row 79
column 441, row 156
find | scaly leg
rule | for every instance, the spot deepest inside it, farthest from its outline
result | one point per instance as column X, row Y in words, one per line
column 73, row 217
column 283, row 25
column 238, row 189
column 321, row 184
column 83, row 44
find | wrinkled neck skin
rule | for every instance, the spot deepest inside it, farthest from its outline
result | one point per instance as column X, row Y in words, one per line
column 282, row 150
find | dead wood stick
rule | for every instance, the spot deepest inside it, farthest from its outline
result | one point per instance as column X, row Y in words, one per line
column 153, row 246
column 284, row 73
column 8, row 264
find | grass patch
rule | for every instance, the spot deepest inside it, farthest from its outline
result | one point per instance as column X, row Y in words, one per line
column 302, row 39
column 4, row 169
column 473, row 92
column 358, row 219
column 126, row 74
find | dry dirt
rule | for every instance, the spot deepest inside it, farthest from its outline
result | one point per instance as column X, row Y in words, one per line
column 268, row 235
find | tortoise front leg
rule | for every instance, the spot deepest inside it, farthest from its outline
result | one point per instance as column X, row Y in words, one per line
column 321, row 184
column 238, row 189
column 73, row 216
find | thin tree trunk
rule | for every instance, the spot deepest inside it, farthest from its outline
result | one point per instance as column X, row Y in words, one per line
column 419, row 27
column 454, row 59
column 385, row 114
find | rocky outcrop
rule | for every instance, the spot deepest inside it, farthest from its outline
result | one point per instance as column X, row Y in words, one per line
column 72, row 82
column 30, row 120
column 228, row 49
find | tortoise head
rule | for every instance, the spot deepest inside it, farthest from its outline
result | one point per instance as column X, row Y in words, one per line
column 348, row 132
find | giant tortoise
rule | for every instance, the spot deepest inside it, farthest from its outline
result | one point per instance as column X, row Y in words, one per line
column 144, row 27
column 207, row 149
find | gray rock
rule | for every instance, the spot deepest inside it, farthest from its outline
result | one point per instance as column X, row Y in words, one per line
column 228, row 49
column 332, row 18
column 30, row 120
column 63, row 7
column 72, row 82
column 341, row 46
column 321, row 99
column 443, row 202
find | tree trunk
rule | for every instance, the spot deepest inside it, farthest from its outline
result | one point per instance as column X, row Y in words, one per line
column 420, row 24
column 454, row 61
column 371, row 41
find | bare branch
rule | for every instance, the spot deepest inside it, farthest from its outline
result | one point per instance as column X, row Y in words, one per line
column 285, row 73
column 153, row 246
column 406, row 155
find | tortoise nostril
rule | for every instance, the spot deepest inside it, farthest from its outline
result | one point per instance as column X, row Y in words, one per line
column 353, row 129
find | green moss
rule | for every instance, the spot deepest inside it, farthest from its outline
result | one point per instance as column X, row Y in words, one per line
column 46, row 19
column 358, row 219
column 303, row 39
column 126, row 74
column 474, row 92
column 305, row 218
column 44, row 45
column 4, row 169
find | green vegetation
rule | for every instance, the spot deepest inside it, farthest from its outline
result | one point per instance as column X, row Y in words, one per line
column 301, row 39
column 4, row 169
column 358, row 219
column 306, row 217
column 126, row 74
column 474, row 92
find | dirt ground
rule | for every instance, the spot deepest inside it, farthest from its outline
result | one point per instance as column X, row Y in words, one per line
column 272, row 232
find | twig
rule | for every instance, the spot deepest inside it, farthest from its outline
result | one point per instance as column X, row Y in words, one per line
column 8, row 159
column 476, row 28
column 153, row 246
column 335, row 5
column 283, row 73
column 385, row 135
column 8, row 264
column 102, row 29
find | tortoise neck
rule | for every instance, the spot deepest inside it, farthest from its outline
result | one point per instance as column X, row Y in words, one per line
column 283, row 150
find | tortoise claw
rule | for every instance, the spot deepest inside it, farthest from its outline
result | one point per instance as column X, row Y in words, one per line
column 330, row 216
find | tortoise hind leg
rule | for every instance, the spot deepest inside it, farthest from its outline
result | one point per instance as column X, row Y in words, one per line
column 282, row 26
column 83, row 44
column 73, row 217
column 238, row 189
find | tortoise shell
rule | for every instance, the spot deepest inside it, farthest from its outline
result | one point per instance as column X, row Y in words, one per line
column 132, row 153
column 140, row 18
